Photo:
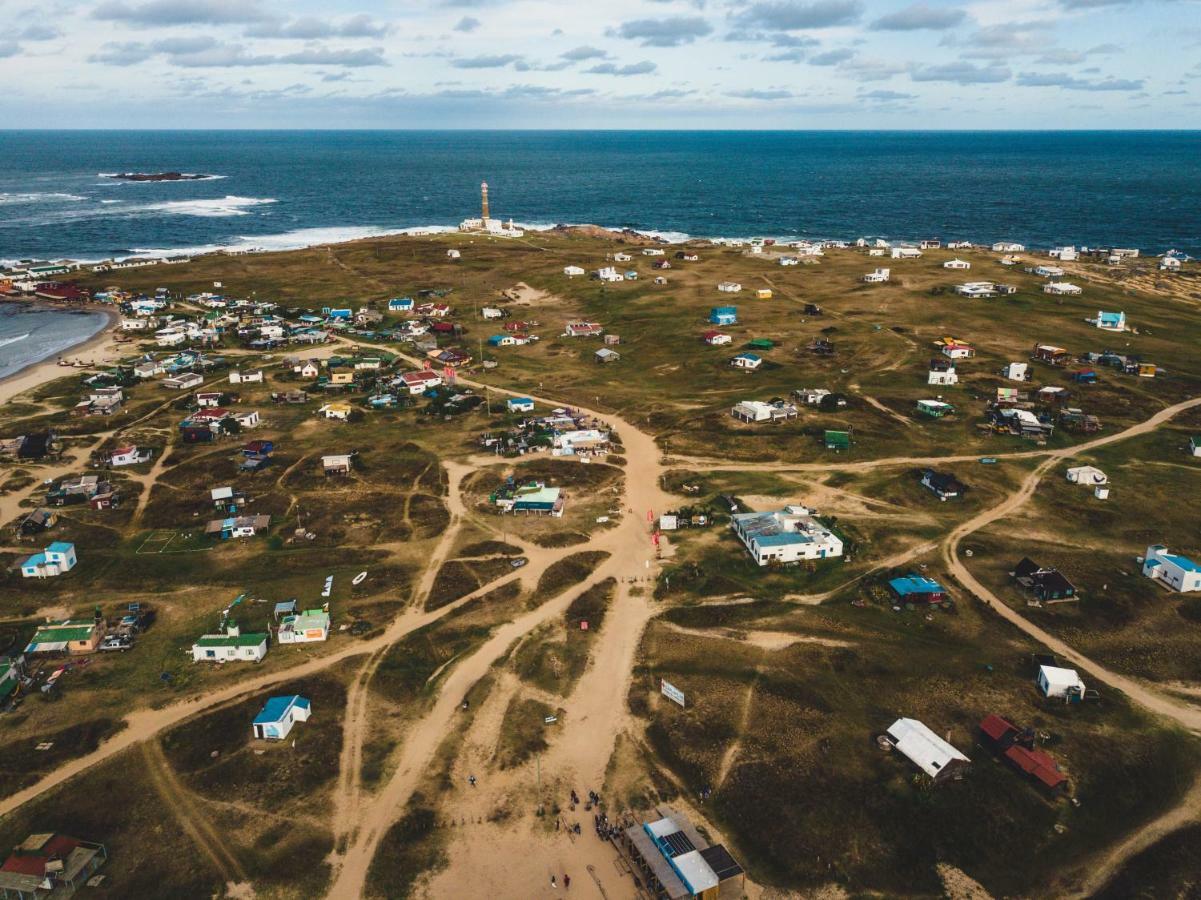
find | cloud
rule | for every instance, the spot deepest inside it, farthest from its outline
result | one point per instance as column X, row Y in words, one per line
column 204, row 52
column 761, row 94
column 961, row 73
column 881, row 96
column 1002, row 42
column 581, row 54
column 639, row 68
column 1071, row 83
column 309, row 28
column 493, row 61
column 832, row 57
column 39, row 32
column 873, row 69
column 9, row 48
column 467, row 24
column 795, row 55
column 919, row 16
column 789, row 15
column 671, row 32
column 181, row 12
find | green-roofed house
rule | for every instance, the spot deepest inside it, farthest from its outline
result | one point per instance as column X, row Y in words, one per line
column 233, row 646
column 838, row 440
column 1194, row 446
column 74, row 636
column 9, row 680
column 935, row 409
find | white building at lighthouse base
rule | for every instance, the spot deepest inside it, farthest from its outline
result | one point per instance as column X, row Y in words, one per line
column 494, row 227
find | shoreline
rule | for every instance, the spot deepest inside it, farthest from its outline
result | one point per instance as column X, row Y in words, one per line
column 102, row 348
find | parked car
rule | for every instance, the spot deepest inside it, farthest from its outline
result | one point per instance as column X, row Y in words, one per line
column 120, row 642
column 518, row 562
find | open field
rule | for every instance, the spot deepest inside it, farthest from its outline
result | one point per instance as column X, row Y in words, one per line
column 460, row 699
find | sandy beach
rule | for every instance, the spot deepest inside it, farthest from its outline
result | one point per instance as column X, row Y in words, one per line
column 99, row 351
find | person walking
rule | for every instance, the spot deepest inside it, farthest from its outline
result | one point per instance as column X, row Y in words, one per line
column 566, row 881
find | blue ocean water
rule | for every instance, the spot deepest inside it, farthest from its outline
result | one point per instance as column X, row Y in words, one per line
column 287, row 189
column 29, row 334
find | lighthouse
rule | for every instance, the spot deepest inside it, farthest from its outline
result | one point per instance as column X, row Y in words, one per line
column 484, row 202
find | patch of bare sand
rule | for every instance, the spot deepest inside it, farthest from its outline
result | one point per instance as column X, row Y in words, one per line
column 958, row 886
column 764, row 640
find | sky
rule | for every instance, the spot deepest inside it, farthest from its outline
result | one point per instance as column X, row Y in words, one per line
column 779, row 64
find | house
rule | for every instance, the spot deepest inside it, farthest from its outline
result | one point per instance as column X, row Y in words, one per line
column 942, row 376
column 580, row 442
column 785, row 536
column 1055, row 356
column 400, row 304
column 129, row 456
column 183, row 382
column 1172, row 570
column 251, row 376
column 1087, row 475
column 763, row 293
column 609, row 274
column 308, row 369
column 1008, row 247
column 1062, row 288
column 1110, row 321
column 535, row 498
column 1063, row 254
column 583, row 329
column 35, row 522
column 56, row 559
column 1169, row 264
column 1018, row 750
column 652, row 251
column 421, row 381
column 519, row 404
column 748, row 362
column 930, row 244
column 1045, row 584
column 837, row 440
column 452, row 253
column 605, row 355
column 339, row 411
column 10, row 680
column 976, row 289
column 926, row 750
column 1194, row 446
column 49, row 866
column 572, row 271
column 716, row 338
column 208, row 399
column 879, row 276
column 237, row 527
column 914, row 588
column 906, row 253
column 953, row 349
column 1059, row 683
column 337, row 464
column 72, row 636
column 675, row 861
column 751, row 411
column 622, row 257
column 274, row 722
column 232, row 646
column 723, row 315
column 729, row 287
column 935, row 409
column 1016, row 371
column 1005, row 290
column 944, row 486
column 956, row 264
column 247, row 418
column 308, row 627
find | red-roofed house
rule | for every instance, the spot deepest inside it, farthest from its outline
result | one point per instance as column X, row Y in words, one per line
column 716, row 338
column 48, row 866
column 421, row 381
column 1017, row 747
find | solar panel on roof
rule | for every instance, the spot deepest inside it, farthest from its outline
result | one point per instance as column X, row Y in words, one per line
column 721, row 862
column 676, row 844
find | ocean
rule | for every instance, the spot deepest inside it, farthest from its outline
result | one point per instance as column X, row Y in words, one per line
column 280, row 190
column 29, row 334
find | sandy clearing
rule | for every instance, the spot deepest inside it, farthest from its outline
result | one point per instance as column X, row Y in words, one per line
column 770, row 641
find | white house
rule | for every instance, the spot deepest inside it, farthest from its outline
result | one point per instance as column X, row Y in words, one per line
column 307, row 627
column 758, row 411
column 421, row 381
column 1062, row 288
column 943, row 376
column 925, row 749
column 729, row 287
column 1167, row 264
column 1110, row 321
column 519, row 404
column 651, row 251
column 56, row 559
column 183, row 382
column 1008, row 247
column 957, row 350
column 233, row 646
column 879, row 276
column 957, row 264
column 278, row 715
column 247, row 418
column 976, row 289
column 1177, row 572
column 785, row 536
column 453, row 253
column 609, row 273
column 251, row 376
column 789, row 261
column 339, row 411
column 748, row 361
column 129, row 455
column 1064, row 254
column 716, row 338
column 1060, row 683
column 622, row 257
column 1016, row 371
column 1048, row 271
column 1089, row 476
column 572, row 271
column 906, row 253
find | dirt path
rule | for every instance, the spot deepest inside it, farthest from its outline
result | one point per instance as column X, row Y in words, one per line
column 872, row 401
column 177, row 798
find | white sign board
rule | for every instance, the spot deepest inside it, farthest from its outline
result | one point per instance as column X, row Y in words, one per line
column 671, row 692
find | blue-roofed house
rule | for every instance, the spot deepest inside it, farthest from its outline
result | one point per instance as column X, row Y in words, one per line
column 914, row 588
column 785, row 536
column 520, row 404
column 1110, row 321
column 400, row 304
column 747, row 361
column 278, row 716
column 56, row 559
column 1179, row 573
column 724, row 315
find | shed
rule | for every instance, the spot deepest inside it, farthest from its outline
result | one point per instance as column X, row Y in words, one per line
column 1060, row 683
column 605, row 355
column 925, row 749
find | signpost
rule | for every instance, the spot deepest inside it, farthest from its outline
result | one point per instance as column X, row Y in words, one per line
column 670, row 691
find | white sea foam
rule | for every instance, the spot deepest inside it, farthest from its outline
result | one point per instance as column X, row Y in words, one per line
column 7, row 199
column 216, row 207
column 4, row 342
column 289, row 240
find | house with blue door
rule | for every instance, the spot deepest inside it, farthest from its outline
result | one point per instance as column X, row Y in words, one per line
column 278, row 716
column 1179, row 573
column 519, row 404
column 724, row 315
column 1110, row 321
column 400, row 304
